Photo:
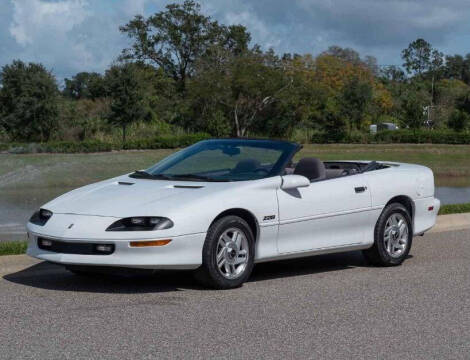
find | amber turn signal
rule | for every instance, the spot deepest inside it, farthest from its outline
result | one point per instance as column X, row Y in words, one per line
column 150, row 243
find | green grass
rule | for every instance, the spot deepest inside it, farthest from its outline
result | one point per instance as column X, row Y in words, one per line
column 454, row 209
column 13, row 247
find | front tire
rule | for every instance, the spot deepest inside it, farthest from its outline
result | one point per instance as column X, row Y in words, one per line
column 228, row 254
column 393, row 236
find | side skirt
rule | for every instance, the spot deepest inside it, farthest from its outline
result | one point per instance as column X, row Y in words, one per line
column 321, row 251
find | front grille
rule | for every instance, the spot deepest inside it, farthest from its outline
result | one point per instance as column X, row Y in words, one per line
column 78, row 248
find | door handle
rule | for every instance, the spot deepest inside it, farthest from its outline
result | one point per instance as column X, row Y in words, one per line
column 360, row 189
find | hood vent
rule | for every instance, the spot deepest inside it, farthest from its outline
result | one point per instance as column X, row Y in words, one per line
column 187, row 186
column 125, row 183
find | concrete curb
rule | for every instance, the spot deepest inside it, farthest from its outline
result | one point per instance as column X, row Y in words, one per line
column 451, row 222
column 13, row 263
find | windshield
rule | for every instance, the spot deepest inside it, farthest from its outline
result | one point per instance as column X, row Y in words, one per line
column 224, row 160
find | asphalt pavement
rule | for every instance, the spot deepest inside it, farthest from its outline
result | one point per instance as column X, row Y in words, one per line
column 324, row 307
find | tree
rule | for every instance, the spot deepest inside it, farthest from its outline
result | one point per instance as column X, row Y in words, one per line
column 85, row 85
column 29, row 99
column 457, row 67
column 413, row 109
column 392, row 73
column 345, row 54
column 127, row 90
column 243, row 86
column 459, row 120
column 417, row 57
column 422, row 59
column 175, row 38
column 334, row 123
column 354, row 100
column 81, row 119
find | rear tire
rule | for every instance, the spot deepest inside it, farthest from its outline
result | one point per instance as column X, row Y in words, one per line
column 228, row 254
column 393, row 235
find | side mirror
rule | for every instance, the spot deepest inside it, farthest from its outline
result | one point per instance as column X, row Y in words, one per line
column 294, row 182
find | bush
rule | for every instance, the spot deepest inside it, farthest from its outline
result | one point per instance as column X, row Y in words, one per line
column 357, row 137
column 422, row 137
column 397, row 136
column 166, row 142
column 459, row 120
column 89, row 146
column 60, row 147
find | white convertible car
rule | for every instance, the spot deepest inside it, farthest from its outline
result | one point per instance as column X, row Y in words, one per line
column 219, row 206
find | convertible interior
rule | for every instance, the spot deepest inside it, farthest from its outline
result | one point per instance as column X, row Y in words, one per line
column 316, row 170
column 312, row 168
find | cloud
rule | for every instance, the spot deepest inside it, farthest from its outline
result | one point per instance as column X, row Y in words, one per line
column 377, row 27
column 133, row 7
column 69, row 36
column 33, row 18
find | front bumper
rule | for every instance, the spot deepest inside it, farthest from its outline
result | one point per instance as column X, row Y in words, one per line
column 183, row 252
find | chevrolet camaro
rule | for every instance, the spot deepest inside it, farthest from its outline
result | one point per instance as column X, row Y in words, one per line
column 222, row 205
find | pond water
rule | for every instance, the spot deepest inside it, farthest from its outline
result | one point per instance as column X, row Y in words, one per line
column 453, row 195
column 14, row 213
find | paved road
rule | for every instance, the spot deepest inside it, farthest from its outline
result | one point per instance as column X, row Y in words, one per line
column 329, row 307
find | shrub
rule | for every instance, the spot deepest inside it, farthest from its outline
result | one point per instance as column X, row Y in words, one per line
column 166, row 142
column 459, row 120
column 357, row 137
column 422, row 137
column 404, row 136
column 89, row 146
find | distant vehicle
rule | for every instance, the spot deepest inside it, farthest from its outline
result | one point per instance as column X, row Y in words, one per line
column 219, row 206
column 382, row 126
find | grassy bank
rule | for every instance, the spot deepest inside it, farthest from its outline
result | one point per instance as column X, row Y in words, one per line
column 13, row 247
column 454, row 209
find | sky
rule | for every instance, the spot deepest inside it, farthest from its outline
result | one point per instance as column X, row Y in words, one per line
column 69, row 36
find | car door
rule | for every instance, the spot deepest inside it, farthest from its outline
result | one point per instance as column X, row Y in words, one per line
column 327, row 214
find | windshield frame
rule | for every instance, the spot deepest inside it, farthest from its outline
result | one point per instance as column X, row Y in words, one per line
column 288, row 150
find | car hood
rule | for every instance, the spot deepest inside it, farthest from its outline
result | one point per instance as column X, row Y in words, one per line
column 125, row 196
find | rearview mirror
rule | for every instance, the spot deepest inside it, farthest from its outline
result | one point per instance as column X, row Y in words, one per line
column 231, row 150
column 294, row 182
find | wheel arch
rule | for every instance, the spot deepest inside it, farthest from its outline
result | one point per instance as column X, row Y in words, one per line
column 406, row 201
column 245, row 215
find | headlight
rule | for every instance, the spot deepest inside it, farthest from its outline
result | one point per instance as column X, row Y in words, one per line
column 141, row 223
column 41, row 217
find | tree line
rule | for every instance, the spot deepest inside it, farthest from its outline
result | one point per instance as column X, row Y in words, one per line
column 186, row 72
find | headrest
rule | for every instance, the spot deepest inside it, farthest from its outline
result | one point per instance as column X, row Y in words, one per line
column 311, row 168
